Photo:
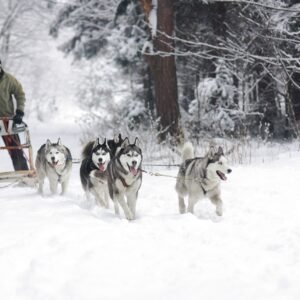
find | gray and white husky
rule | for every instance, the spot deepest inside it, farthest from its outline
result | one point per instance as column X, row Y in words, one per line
column 53, row 161
column 93, row 171
column 125, row 177
column 200, row 177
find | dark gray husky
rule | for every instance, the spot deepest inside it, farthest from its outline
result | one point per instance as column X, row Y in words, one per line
column 200, row 177
column 125, row 177
column 93, row 171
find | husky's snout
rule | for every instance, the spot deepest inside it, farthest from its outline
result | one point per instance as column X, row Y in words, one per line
column 53, row 161
column 101, row 164
column 133, row 168
column 222, row 175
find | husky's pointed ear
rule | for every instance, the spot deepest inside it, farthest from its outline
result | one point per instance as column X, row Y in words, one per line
column 48, row 144
column 220, row 151
column 104, row 142
column 137, row 142
column 231, row 150
column 101, row 141
column 107, row 145
column 117, row 138
column 59, row 142
column 96, row 143
column 125, row 143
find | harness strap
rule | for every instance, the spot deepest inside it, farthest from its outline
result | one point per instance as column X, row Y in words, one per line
column 59, row 175
column 204, row 191
column 124, row 182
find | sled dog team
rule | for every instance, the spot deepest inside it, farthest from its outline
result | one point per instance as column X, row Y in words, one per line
column 112, row 169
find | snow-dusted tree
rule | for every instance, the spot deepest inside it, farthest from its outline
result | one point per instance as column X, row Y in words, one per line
column 110, row 32
column 286, row 23
column 242, row 33
column 118, row 27
column 91, row 22
column 160, row 17
column 18, row 28
column 214, row 108
column 24, row 43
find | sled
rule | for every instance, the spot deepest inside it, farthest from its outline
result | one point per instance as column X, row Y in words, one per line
column 28, row 177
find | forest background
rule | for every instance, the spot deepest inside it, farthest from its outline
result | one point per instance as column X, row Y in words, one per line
column 184, row 69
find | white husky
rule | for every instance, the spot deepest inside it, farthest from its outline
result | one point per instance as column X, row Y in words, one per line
column 53, row 161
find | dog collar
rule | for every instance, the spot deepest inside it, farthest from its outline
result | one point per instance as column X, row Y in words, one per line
column 58, row 175
column 124, row 182
column 204, row 191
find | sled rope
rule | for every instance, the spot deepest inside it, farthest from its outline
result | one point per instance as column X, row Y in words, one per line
column 161, row 165
column 10, row 184
column 158, row 174
column 76, row 161
column 170, row 176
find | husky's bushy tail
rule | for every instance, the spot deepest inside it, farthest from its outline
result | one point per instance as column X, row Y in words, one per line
column 87, row 150
column 187, row 151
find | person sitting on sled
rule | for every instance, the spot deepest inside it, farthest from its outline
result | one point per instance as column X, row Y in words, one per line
column 9, row 87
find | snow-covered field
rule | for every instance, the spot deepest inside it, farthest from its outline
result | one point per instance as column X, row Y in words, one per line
column 60, row 248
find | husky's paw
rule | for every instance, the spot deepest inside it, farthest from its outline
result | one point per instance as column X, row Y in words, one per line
column 129, row 216
column 182, row 210
column 219, row 212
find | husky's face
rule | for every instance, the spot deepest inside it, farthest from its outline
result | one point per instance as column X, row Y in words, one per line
column 55, row 153
column 130, row 156
column 101, row 155
column 218, row 165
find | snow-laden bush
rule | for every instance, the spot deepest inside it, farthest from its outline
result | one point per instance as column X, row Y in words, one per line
column 214, row 109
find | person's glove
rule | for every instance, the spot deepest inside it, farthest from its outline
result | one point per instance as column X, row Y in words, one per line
column 18, row 117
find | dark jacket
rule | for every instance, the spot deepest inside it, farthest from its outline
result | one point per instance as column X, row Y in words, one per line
column 9, row 87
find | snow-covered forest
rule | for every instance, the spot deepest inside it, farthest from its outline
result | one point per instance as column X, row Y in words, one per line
column 167, row 72
column 232, row 66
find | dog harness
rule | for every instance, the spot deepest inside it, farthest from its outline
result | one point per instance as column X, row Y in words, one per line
column 59, row 175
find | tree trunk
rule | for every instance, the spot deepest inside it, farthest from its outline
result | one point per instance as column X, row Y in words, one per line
column 163, row 69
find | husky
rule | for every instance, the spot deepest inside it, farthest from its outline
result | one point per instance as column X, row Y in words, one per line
column 93, row 171
column 200, row 177
column 115, row 143
column 125, row 177
column 54, row 161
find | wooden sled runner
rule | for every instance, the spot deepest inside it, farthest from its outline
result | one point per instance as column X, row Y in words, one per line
column 28, row 177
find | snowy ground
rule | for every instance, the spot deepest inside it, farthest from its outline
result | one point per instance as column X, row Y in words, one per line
column 59, row 248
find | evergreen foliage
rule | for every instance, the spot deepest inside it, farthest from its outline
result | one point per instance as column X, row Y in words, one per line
column 237, row 63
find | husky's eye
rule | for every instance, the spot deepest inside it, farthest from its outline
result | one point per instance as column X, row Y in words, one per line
column 220, row 163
